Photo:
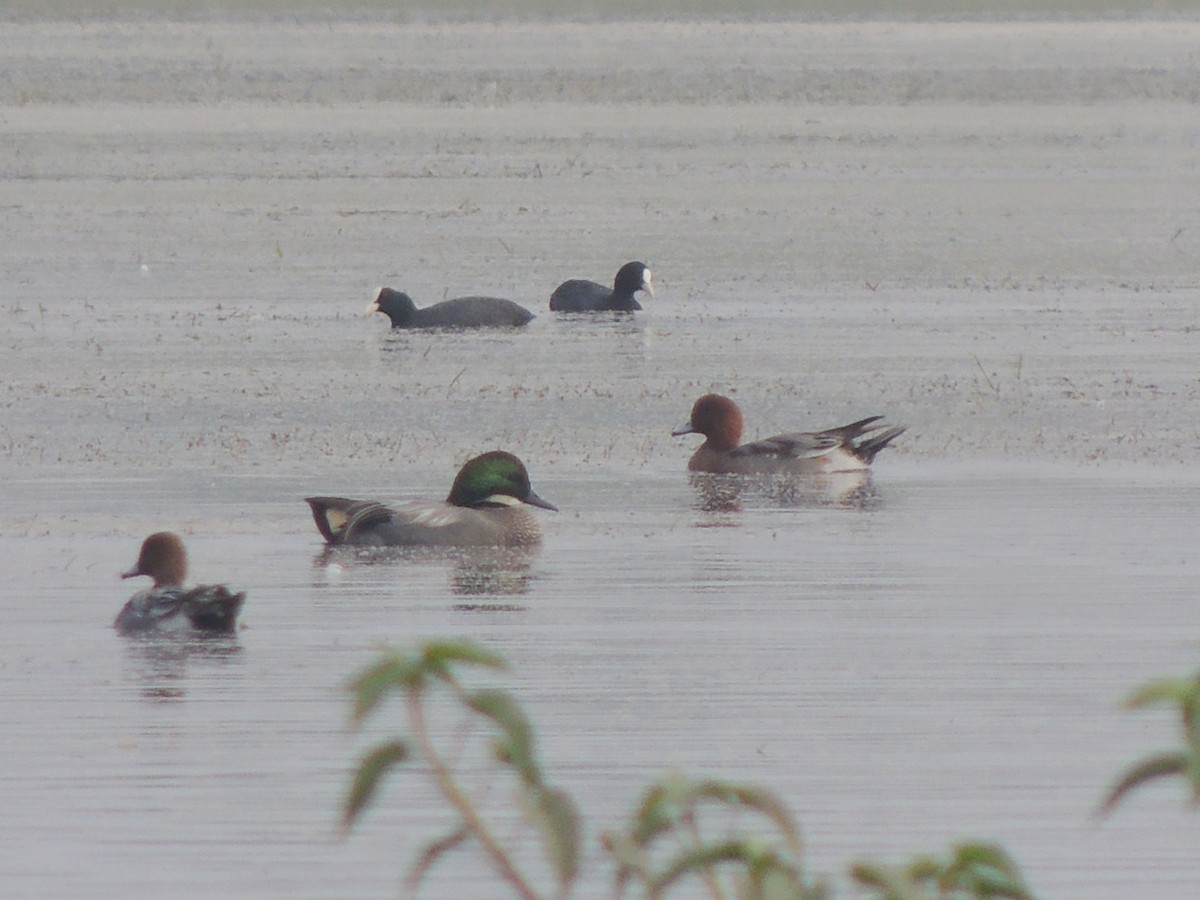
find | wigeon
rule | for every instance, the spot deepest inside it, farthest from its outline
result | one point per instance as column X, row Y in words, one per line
column 846, row 449
column 167, row 606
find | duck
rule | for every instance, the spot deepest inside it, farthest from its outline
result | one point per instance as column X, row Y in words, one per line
column 487, row 506
column 167, row 606
column 580, row 295
column 848, row 448
column 461, row 312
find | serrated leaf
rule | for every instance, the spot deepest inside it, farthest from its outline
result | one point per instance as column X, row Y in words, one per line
column 515, row 745
column 439, row 657
column 393, row 672
column 1153, row 767
column 371, row 770
column 556, row 817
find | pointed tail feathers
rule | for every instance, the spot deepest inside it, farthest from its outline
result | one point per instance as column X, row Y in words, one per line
column 868, row 449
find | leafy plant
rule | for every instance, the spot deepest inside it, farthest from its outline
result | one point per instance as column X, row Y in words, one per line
column 683, row 830
column 970, row 872
column 551, row 810
column 670, row 814
column 1184, row 693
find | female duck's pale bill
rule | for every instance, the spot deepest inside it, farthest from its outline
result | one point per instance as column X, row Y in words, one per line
column 168, row 606
column 848, row 448
column 487, row 506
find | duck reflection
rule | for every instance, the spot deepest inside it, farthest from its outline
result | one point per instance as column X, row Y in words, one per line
column 473, row 571
column 162, row 663
column 732, row 493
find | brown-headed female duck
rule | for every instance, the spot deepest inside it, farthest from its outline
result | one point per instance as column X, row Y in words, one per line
column 169, row 607
column 846, row 449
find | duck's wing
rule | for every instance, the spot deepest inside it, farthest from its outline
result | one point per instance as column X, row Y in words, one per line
column 213, row 607
column 150, row 609
column 797, row 445
column 339, row 519
column 812, row 444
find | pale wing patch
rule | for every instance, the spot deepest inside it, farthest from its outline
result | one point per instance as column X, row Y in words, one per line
column 433, row 517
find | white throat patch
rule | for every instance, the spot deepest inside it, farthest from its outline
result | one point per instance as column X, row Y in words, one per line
column 503, row 500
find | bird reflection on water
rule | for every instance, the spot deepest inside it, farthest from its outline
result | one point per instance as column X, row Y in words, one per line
column 733, row 493
column 473, row 571
column 162, row 663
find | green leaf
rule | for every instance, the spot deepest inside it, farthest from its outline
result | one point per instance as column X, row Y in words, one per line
column 439, row 657
column 515, row 745
column 1179, row 691
column 677, row 796
column 656, row 814
column 631, row 860
column 891, row 882
column 777, row 883
column 392, row 672
column 1153, row 767
column 556, row 817
column 374, row 766
column 694, row 861
column 433, row 851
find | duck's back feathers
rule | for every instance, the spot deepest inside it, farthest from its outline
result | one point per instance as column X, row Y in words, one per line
column 807, row 444
column 210, row 608
column 372, row 524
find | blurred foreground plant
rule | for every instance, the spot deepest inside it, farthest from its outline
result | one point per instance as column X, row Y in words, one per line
column 669, row 817
column 549, row 809
column 1181, row 692
column 682, row 830
column 974, row 871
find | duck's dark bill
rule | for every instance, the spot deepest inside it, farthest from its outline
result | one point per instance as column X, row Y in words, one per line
column 534, row 500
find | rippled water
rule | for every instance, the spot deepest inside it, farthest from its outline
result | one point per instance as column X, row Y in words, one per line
column 945, row 661
column 937, row 654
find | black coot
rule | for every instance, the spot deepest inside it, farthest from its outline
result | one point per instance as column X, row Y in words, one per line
column 461, row 312
column 579, row 295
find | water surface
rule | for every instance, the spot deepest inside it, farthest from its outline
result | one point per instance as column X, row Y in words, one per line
column 840, row 225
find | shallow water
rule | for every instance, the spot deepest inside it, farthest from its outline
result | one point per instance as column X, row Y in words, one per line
column 186, row 253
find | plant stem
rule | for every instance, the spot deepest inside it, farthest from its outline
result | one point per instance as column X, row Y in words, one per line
column 462, row 803
column 706, row 873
